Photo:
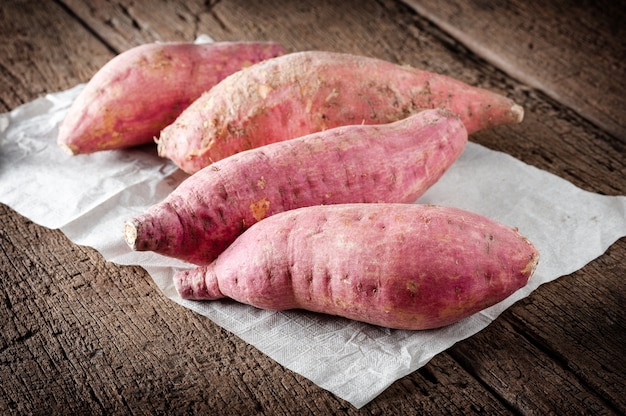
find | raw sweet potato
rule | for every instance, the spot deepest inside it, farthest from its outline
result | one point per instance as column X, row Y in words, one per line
column 140, row 91
column 305, row 92
column 393, row 162
column 403, row 266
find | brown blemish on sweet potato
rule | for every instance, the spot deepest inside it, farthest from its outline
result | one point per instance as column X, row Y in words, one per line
column 259, row 208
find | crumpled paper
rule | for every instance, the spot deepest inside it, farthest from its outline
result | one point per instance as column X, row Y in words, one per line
column 90, row 196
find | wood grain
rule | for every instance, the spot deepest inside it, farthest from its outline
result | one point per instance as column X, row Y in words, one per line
column 592, row 345
column 507, row 351
column 81, row 335
column 28, row 31
column 573, row 52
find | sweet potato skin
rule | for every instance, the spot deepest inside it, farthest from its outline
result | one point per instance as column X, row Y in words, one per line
column 404, row 266
column 304, row 92
column 395, row 162
column 142, row 90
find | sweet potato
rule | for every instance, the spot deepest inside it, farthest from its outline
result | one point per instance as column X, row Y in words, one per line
column 140, row 91
column 393, row 162
column 404, row 266
column 305, row 92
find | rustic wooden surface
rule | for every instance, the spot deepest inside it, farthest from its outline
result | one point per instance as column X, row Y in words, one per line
column 84, row 336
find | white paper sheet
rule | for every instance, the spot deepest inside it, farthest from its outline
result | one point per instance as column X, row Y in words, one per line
column 90, row 196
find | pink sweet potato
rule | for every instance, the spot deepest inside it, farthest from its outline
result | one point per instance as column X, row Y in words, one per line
column 140, row 91
column 305, row 92
column 393, row 162
column 403, row 266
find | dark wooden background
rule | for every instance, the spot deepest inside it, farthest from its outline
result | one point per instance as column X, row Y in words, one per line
column 84, row 336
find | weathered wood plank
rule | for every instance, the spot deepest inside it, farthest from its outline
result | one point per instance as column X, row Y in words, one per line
column 573, row 52
column 122, row 25
column 599, row 331
column 23, row 75
column 502, row 350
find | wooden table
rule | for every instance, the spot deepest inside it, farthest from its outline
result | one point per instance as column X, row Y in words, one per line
column 84, row 336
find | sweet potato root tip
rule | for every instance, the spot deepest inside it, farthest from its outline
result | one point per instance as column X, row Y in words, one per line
column 518, row 113
column 533, row 261
column 130, row 234
column 193, row 286
column 68, row 149
column 158, row 229
column 402, row 266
